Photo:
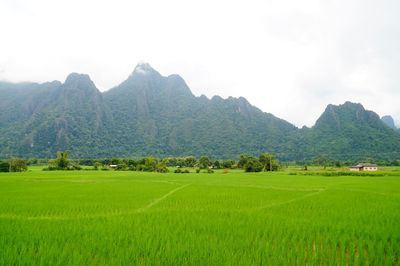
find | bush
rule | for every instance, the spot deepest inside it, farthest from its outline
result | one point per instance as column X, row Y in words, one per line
column 204, row 162
column 4, row 166
column 180, row 171
column 161, row 168
column 60, row 163
column 96, row 166
column 150, row 164
column 18, row 165
column 253, row 165
column 228, row 164
column 75, row 167
column 121, row 167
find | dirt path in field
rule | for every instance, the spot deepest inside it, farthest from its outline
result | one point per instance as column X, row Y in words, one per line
column 24, row 217
column 367, row 191
column 158, row 200
column 91, row 216
column 287, row 188
column 291, row 200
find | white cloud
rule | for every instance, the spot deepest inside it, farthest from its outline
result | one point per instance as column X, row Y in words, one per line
column 290, row 58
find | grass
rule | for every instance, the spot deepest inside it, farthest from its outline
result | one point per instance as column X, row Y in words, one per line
column 120, row 218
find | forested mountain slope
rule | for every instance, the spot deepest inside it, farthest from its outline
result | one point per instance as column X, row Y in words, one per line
column 149, row 114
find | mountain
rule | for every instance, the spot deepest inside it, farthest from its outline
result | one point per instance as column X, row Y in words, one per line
column 388, row 120
column 40, row 119
column 349, row 131
column 149, row 114
column 159, row 115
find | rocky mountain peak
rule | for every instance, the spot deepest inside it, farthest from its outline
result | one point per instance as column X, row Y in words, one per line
column 144, row 69
column 79, row 81
column 388, row 120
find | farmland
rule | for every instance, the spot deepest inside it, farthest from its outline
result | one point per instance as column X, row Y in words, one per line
column 234, row 218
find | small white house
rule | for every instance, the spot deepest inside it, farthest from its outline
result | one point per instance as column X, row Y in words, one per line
column 364, row 167
column 113, row 165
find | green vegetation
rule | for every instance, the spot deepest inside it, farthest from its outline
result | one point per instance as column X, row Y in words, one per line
column 18, row 165
column 159, row 116
column 4, row 166
column 266, row 162
column 14, row 165
column 348, row 132
column 227, row 218
column 62, row 163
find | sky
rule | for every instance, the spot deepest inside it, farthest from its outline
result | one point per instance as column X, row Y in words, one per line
column 287, row 57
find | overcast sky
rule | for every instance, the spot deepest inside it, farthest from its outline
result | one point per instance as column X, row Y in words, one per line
column 288, row 57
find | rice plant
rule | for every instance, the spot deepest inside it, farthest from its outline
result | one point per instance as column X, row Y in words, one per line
column 114, row 218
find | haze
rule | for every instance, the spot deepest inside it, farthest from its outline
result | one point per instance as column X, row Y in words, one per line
column 289, row 58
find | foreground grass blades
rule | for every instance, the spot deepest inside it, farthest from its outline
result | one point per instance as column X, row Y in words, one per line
column 113, row 218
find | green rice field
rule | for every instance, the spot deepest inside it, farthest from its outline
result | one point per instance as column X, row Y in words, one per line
column 234, row 218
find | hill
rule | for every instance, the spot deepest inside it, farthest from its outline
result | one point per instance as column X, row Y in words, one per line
column 149, row 114
column 348, row 131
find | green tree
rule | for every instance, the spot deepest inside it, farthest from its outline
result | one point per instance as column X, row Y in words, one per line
column 18, row 165
column 61, row 162
column 243, row 160
column 121, row 166
column 97, row 165
column 217, row 164
column 190, row 161
column 253, row 165
column 204, row 162
column 161, row 167
column 150, row 164
column 228, row 163
column 268, row 162
column 4, row 166
column 115, row 161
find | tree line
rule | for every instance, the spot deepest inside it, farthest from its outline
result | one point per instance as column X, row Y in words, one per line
column 249, row 163
column 265, row 162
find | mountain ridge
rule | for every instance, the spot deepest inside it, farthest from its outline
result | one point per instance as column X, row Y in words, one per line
column 150, row 114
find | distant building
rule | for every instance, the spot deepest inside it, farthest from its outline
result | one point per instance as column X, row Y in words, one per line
column 113, row 165
column 364, row 167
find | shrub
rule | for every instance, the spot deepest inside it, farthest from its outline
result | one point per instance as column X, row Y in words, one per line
column 121, row 167
column 204, row 162
column 97, row 165
column 161, row 168
column 228, row 163
column 60, row 163
column 253, row 165
column 18, row 165
column 75, row 167
column 180, row 171
column 4, row 166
